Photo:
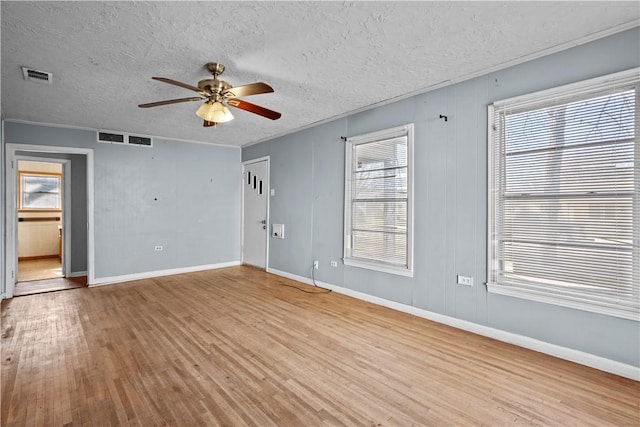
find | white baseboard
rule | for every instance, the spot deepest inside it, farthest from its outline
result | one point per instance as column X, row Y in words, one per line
column 100, row 281
column 77, row 274
column 577, row 356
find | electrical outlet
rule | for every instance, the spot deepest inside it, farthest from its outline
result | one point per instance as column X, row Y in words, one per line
column 158, row 248
column 465, row 280
column 334, row 263
column 315, row 264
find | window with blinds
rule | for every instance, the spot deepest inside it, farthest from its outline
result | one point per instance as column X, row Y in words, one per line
column 564, row 185
column 378, row 200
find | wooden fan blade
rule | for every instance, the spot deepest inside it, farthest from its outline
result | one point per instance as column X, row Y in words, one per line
column 184, row 85
column 253, row 108
column 208, row 124
column 246, row 90
column 170, row 101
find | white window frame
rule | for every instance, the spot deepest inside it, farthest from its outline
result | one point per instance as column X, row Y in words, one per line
column 574, row 300
column 25, row 174
column 364, row 139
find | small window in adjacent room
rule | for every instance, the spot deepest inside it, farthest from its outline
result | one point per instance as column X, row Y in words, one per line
column 564, row 196
column 40, row 191
column 379, row 201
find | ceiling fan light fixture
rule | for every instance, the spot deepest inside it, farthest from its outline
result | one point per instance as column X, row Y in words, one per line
column 227, row 114
column 214, row 112
column 218, row 96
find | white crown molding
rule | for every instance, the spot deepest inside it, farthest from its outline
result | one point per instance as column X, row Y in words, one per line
column 484, row 71
column 155, row 137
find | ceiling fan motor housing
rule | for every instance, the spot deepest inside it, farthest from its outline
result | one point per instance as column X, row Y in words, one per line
column 213, row 85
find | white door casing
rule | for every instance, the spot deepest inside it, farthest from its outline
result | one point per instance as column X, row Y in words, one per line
column 255, row 221
column 66, row 208
column 11, row 210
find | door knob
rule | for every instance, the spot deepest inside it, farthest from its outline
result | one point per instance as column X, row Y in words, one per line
column 264, row 227
column 264, row 221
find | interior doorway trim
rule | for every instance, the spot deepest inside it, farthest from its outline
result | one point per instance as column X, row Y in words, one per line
column 11, row 211
column 66, row 210
column 245, row 163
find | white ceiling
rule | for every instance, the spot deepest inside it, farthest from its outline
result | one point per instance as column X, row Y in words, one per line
column 323, row 59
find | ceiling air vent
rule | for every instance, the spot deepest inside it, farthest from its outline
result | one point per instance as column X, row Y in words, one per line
column 110, row 137
column 144, row 141
column 37, row 75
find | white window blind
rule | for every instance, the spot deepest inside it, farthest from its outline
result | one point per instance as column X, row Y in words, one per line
column 564, row 208
column 378, row 200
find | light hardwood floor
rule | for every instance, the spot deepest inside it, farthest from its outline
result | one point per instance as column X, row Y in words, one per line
column 38, row 269
column 49, row 285
column 234, row 347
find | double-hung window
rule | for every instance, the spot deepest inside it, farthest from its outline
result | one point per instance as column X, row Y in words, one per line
column 40, row 191
column 379, row 201
column 564, row 196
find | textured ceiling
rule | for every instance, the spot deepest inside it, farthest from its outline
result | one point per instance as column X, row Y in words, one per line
column 324, row 59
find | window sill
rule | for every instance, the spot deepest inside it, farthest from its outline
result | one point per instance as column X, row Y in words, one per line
column 609, row 309
column 400, row 271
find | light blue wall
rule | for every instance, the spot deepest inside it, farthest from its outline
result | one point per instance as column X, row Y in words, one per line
column 307, row 173
column 2, row 213
column 78, row 213
column 183, row 196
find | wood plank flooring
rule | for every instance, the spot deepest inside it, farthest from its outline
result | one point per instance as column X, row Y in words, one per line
column 49, row 285
column 38, row 269
column 234, row 347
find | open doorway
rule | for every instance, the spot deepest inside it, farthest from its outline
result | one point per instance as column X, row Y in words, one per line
column 49, row 210
column 40, row 213
column 43, row 190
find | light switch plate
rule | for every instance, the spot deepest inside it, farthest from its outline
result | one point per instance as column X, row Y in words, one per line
column 277, row 231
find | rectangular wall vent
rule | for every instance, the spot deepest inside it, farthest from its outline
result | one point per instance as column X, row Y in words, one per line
column 110, row 137
column 140, row 140
column 124, row 138
column 33, row 75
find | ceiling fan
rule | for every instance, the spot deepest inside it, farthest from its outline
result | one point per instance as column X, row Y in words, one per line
column 217, row 95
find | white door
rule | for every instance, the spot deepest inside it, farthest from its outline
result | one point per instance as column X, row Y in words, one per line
column 255, row 188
